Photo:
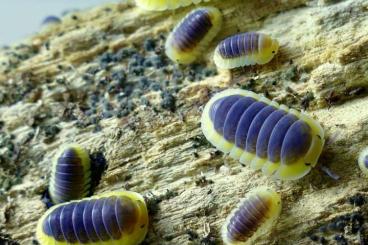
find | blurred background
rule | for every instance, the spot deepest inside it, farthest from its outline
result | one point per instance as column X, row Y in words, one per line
column 20, row 18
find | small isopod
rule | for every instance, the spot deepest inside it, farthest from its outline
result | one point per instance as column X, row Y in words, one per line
column 253, row 217
column 245, row 49
column 70, row 175
column 283, row 142
column 51, row 20
column 119, row 217
column 160, row 5
column 363, row 161
column 192, row 35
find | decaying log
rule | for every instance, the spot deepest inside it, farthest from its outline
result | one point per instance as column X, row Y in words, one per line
column 156, row 146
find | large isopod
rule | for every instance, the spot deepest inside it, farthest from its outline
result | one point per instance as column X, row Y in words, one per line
column 283, row 142
column 119, row 217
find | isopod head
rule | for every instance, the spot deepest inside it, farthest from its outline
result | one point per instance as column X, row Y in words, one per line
column 70, row 174
column 113, row 218
column 191, row 36
column 363, row 161
column 160, row 5
column 268, row 48
column 253, row 217
column 283, row 142
column 245, row 49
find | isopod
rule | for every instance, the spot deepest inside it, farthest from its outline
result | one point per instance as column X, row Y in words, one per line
column 253, row 217
column 192, row 35
column 283, row 142
column 119, row 217
column 70, row 175
column 363, row 161
column 245, row 49
column 51, row 20
column 160, row 5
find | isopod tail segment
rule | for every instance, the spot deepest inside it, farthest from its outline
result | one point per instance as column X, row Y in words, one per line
column 252, row 218
column 190, row 38
column 245, row 49
column 161, row 5
column 282, row 142
column 363, row 161
column 114, row 218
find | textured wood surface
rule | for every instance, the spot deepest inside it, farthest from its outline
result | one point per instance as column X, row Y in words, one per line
column 322, row 67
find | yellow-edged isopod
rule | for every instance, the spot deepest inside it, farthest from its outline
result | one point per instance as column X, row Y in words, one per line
column 253, row 217
column 114, row 218
column 160, row 5
column 191, row 36
column 70, row 174
column 283, row 142
column 245, row 49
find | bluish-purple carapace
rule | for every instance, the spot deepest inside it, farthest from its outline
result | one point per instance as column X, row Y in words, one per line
column 191, row 36
column 51, row 20
column 192, row 29
column 283, row 142
column 70, row 175
column 245, row 49
column 119, row 217
column 254, row 215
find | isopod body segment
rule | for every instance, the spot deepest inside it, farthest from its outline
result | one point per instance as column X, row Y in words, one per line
column 113, row 218
column 70, row 174
column 192, row 35
column 160, row 5
column 245, row 49
column 283, row 142
column 363, row 161
column 254, row 216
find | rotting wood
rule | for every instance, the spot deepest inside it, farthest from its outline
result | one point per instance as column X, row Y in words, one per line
column 323, row 52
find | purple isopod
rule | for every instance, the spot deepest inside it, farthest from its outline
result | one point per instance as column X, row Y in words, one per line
column 119, row 217
column 191, row 36
column 245, row 49
column 70, row 175
column 283, row 142
column 254, row 216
